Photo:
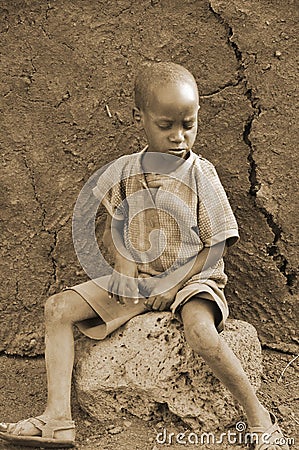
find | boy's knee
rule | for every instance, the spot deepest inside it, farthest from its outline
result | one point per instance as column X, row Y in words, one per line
column 202, row 336
column 57, row 308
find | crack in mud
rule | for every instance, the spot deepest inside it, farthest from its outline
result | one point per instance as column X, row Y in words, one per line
column 221, row 89
column 238, row 54
column 48, row 9
column 54, row 233
column 32, row 179
column 17, row 290
column 273, row 249
column 51, row 255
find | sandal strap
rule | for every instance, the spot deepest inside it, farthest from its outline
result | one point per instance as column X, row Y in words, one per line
column 272, row 427
column 49, row 427
column 271, row 434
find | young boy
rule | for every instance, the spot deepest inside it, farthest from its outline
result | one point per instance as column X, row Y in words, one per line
column 168, row 226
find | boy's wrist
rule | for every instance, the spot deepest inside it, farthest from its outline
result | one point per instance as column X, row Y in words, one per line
column 169, row 283
column 123, row 260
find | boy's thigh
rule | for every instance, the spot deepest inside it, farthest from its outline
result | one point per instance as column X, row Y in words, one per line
column 200, row 311
column 83, row 299
column 69, row 304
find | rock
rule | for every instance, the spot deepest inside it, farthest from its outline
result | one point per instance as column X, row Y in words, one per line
column 115, row 430
column 147, row 365
column 127, row 423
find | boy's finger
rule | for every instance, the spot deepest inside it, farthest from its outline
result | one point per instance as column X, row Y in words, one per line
column 127, row 300
column 157, row 304
column 149, row 303
column 131, row 290
column 124, row 301
column 114, row 291
column 110, row 290
column 112, row 285
column 161, row 307
column 120, row 300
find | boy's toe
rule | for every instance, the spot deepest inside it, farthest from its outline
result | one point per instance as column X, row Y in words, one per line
column 21, row 428
column 3, row 427
column 7, row 427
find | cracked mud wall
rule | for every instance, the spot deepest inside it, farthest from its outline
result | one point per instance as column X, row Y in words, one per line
column 63, row 61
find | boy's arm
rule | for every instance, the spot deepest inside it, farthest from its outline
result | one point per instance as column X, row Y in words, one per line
column 205, row 259
column 167, row 287
column 123, row 281
column 116, row 244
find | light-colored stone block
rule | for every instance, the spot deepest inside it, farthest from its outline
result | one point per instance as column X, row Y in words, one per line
column 147, row 363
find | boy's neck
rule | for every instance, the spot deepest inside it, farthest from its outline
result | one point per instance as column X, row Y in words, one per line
column 162, row 164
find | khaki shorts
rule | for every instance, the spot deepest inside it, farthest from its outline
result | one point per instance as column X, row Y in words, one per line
column 112, row 315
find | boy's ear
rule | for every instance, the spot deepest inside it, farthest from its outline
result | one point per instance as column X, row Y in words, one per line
column 137, row 115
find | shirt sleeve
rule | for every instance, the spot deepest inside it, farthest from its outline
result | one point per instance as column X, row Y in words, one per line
column 110, row 190
column 216, row 220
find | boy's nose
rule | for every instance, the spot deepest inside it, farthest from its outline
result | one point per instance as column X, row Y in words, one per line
column 177, row 137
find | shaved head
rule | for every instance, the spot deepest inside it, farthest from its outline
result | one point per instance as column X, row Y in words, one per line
column 158, row 75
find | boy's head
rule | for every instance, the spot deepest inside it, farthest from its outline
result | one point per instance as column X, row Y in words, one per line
column 159, row 74
column 166, row 105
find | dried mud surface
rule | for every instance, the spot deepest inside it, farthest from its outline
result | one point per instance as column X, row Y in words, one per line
column 64, row 62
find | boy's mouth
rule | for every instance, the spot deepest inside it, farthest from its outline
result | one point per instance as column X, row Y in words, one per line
column 177, row 151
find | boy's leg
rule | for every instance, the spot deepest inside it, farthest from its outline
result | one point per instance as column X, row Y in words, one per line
column 198, row 316
column 61, row 312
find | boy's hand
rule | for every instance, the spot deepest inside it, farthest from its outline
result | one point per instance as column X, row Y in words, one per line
column 123, row 281
column 160, row 301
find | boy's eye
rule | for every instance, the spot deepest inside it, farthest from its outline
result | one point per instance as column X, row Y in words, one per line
column 189, row 125
column 167, row 125
column 164, row 126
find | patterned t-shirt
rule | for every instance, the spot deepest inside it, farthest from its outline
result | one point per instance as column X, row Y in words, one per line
column 168, row 218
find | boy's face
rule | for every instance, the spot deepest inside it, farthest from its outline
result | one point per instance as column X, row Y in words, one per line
column 170, row 119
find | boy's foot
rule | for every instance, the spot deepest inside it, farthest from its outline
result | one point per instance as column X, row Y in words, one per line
column 40, row 432
column 268, row 438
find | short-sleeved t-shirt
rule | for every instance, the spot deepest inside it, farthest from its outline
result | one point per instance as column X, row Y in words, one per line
column 168, row 218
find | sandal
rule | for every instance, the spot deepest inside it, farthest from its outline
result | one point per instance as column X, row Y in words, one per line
column 48, row 428
column 262, row 439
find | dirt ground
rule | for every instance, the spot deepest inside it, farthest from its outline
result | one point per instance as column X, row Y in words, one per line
column 279, row 392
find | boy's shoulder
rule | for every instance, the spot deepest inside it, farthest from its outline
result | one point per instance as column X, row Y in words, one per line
column 201, row 159
column 203, row 164
column 125, row 162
